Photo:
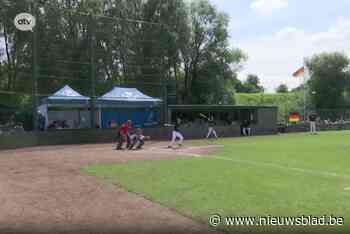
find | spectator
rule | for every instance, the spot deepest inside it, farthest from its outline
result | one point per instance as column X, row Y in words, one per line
column 42, row 122
column 64, row 124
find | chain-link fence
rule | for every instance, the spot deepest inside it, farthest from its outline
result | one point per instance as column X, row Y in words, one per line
column 334, row 115
column 88, row 51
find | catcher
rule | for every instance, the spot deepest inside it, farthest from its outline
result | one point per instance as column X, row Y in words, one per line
column 137, row 139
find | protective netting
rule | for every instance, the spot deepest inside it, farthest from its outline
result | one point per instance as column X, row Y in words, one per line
column 90, row 51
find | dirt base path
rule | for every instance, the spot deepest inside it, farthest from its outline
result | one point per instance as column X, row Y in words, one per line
column 42, row 190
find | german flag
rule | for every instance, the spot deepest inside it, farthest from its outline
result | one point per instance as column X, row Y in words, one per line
column 294, row 117
column 300, row 72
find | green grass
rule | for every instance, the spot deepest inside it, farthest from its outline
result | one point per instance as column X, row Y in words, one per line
column 288, row 175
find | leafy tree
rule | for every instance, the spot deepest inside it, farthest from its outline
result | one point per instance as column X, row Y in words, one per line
column 286, row 102
column 16, row 46
column 330, row 80
column 207, row 57
column 134, row 43
column 298, row 89
column 282, row 89
column 251, row 85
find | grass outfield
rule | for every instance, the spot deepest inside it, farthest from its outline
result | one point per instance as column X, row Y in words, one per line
column 287, row 175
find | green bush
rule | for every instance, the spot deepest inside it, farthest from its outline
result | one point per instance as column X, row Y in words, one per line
column 286, row 102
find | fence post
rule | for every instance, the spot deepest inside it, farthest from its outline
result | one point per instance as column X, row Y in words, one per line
column 164, row 83
column 165, row 99
column 35, row 68
column 92, row 72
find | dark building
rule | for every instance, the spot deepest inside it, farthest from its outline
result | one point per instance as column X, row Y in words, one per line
column 228, row 119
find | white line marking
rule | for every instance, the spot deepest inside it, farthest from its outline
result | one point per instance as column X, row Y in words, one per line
column 168, row 152
column 277, row 166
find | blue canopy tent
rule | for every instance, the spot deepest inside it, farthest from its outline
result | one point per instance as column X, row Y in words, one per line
column 66, row 97
column 121, row 104
column 66, row 105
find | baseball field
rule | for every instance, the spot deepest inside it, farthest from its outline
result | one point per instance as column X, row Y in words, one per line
column 296, row 177
column 232, row 185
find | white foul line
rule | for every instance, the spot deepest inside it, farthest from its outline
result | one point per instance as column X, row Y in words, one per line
column 273, row 165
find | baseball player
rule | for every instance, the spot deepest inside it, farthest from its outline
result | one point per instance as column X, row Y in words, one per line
column 211, row 129
column 123, row 135
column 176, row 134
column 137, row 139
column 312, row 120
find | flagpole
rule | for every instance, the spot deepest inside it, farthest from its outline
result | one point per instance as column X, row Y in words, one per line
column 304, row 81
column 305, row 88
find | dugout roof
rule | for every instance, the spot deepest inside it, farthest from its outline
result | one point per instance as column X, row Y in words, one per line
column 216, row 107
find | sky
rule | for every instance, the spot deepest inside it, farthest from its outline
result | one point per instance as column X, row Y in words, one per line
column 278, row 34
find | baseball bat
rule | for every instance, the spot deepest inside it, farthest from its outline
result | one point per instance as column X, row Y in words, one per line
column 202, row 115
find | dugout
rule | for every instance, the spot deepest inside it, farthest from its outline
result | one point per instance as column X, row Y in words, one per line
column 228, row 119
column 121, row 104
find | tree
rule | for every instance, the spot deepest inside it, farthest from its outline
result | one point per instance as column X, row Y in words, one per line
column 16, row 45
column 330, row 80
column 282, row 88
column 143, row 44
column 298, row 88
column 251, row 85
column 207, row 58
